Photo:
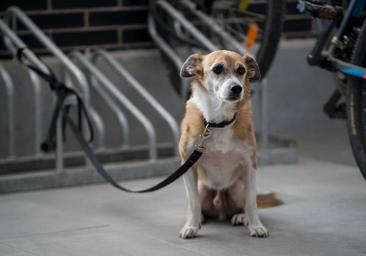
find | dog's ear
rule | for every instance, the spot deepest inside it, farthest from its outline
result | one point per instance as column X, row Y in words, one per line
column 192, row 65
column 254, row 73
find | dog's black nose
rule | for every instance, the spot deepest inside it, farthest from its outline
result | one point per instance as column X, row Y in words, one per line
column 236, row 89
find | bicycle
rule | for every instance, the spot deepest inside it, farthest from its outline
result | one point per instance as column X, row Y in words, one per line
column 341, row 48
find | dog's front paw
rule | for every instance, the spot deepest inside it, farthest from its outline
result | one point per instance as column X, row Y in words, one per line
column 188, row 232
column 258, row 231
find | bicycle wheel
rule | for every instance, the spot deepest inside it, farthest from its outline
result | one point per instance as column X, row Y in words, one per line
column 356, row 104
column 236, row 17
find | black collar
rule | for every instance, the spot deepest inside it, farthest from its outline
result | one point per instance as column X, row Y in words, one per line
column 221, row 124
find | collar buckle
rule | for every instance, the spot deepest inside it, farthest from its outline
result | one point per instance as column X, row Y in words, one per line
column 203, row 137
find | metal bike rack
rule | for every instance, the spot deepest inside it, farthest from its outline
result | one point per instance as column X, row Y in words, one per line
column 84, row 73
column 13, row 42
column 122, row 99
column 142, row 91
column 75, row 77
column 9, row 87
column 36, row 85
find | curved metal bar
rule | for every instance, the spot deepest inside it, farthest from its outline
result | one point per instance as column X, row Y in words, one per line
column 23, row 18
column 144, row 93
column 121, row 118
column 187, row 24
column 97, row 120
column 9, row 86
column 162, row 44
column 13, row 42
column 38, row 111
column 211, row 23
column 168, row 50
column 149, row 128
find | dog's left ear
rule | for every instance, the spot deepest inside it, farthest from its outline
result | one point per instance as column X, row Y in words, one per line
column 192, row 65
column 254, row 73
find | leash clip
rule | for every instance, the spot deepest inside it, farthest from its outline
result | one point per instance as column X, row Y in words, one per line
column 204, row 136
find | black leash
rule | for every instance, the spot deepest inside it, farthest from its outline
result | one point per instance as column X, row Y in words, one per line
column 62, row 93
column 193, row 158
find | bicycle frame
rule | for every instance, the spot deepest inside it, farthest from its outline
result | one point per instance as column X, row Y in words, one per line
column 326, row 59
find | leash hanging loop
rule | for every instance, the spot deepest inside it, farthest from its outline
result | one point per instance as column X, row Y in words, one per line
column 61, row 111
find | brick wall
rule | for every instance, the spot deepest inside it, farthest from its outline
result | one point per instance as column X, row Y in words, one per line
column 111, row 24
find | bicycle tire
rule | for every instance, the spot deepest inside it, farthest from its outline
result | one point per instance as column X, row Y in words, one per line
column 273, row 30
column 356, row 104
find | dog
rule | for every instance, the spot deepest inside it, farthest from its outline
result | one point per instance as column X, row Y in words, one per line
column 222, row 183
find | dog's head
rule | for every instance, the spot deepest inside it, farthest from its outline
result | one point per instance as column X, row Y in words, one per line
column 224, row 74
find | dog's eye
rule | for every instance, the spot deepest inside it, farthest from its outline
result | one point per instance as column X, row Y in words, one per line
column 240, row 70
column 218, row 69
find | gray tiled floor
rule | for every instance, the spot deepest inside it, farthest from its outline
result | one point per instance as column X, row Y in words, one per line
column 324, row 214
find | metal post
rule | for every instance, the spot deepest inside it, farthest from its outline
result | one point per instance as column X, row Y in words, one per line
column 98, row 122
column 59, row 146
column 38, row 111
column 264, row 117
column 9, row 87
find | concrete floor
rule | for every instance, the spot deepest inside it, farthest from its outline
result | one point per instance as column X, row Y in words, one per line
column 324, row 211
column 297, row 93
column 324, row 214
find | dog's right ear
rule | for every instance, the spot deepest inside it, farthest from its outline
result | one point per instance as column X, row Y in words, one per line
column 192, row 66
column 253, row 68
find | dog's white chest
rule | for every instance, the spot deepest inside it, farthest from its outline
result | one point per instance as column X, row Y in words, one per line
column 222, row 157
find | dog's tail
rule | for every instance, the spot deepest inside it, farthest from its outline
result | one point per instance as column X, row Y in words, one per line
column 268, row 200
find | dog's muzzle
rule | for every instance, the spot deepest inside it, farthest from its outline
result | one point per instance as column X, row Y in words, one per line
column 235, row 92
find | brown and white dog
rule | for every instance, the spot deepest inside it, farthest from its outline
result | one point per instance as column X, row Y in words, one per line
column 223, row 182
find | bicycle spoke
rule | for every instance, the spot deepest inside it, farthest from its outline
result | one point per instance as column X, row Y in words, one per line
column 227, row 24
column 240, row 28
column 249, row 13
